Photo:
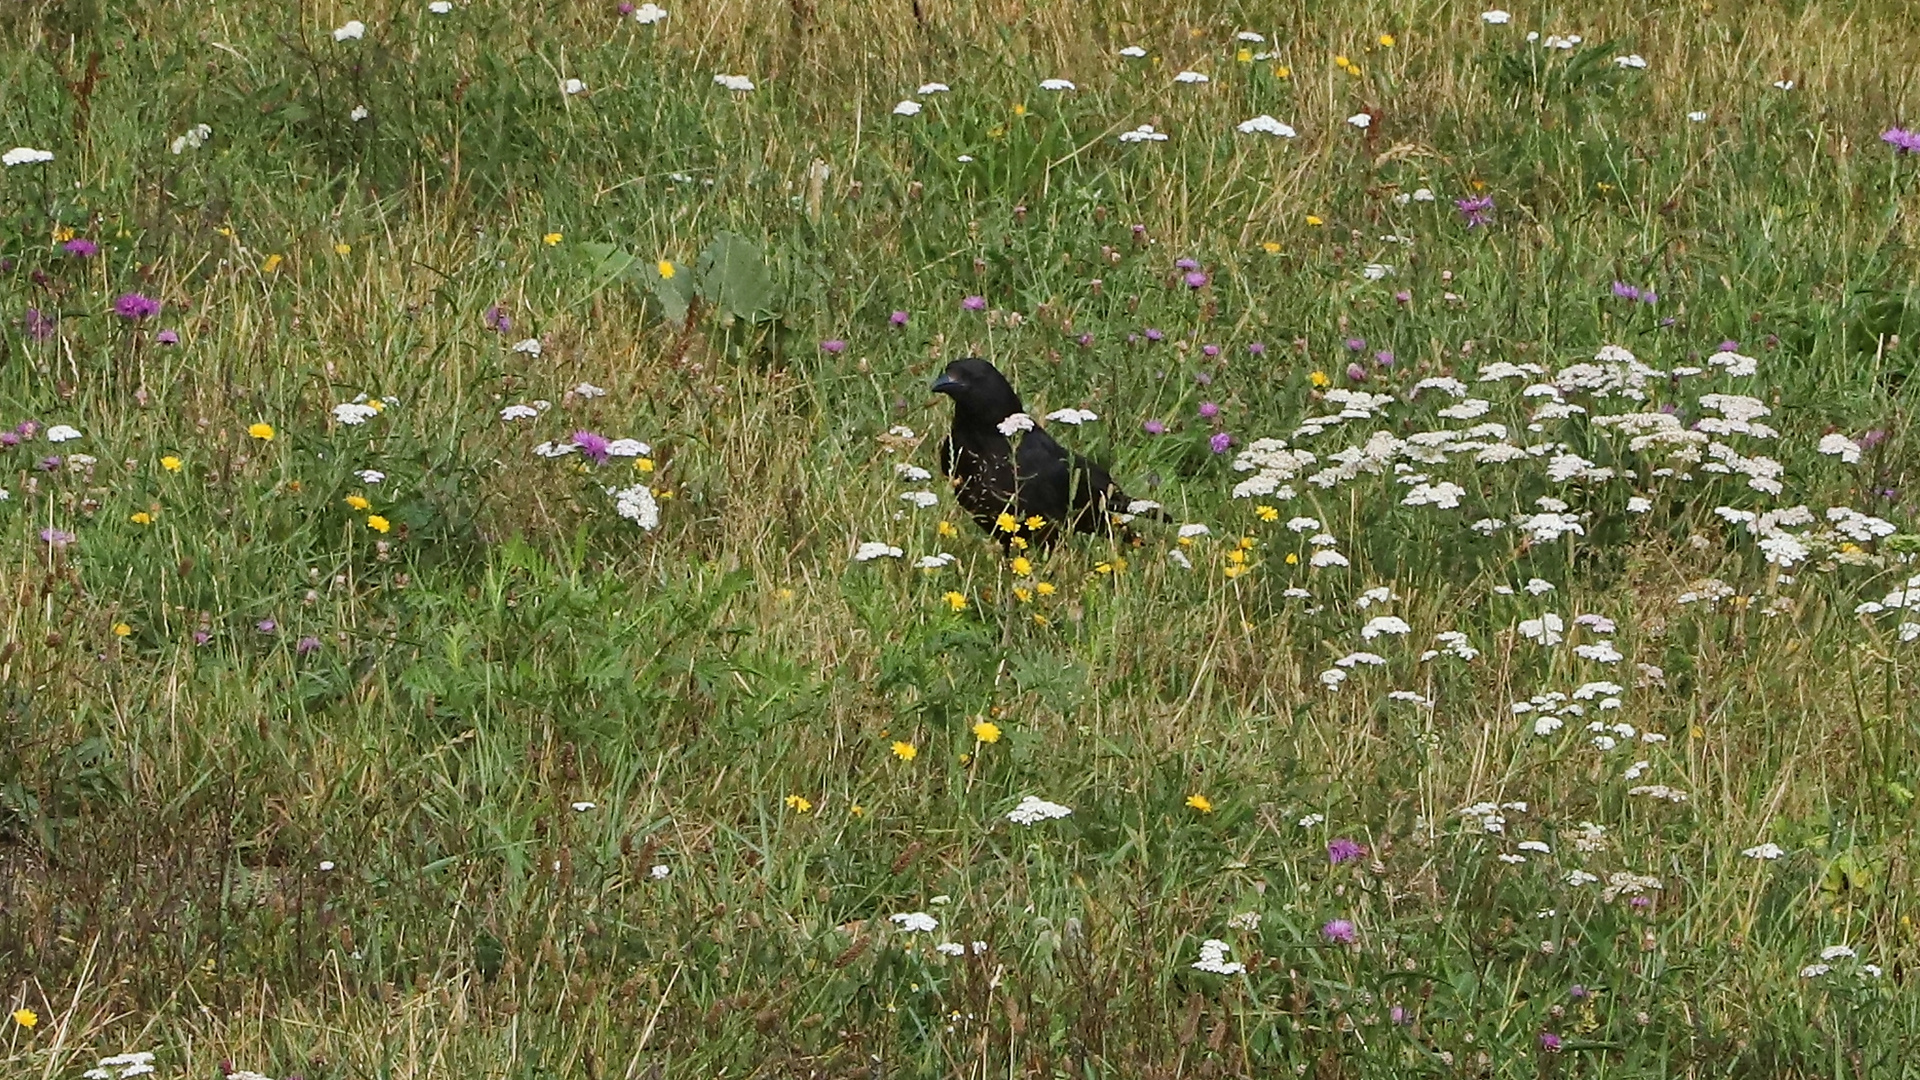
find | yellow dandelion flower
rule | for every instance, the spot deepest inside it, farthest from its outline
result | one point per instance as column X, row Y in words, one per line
column 551, row 239
column 1315, row 221
column 26, row 1018
column 1234, row 570
column 141, row 517
column 1022, row 594
column 799, row 804
column 343, row 249
column 1318, row 378
column 1237, row 557
column 1019, row 110
column 1244, row 56
column 1021, row 565
column 62, row 233
column 1266, row 513
column 1271, row 247
column 1007, row 523
column 644, row 464
column 1342, row 62
column 857, row 810
column 1036, row 521
column 1201, row 803
column 1282, row 71
column 1387, row 41
column 121, row 629
column 1353, row 70
column 358, row 502
column 946, row 529
column 1103, row 568
column 1045, row 588
column 273, row 263
column 378, row 524
column 1019, row 542
column 905, row 751
column 1041, row 620
column 171, row 463
column 1293, row 559
column 987, row 731
column 666, row 269
column 956, row 601
column 1247, row 543
column 263, row 432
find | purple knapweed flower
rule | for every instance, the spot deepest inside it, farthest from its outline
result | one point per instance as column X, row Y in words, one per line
column 9, row 439
column 1624, row 291
column 833, row 346
column 592, row 445
column 1220, row 443
column 1902, row 140
column 1356, row 373
column 1403, row 297
column 201, row 637
column 1340, row 849
column 1209, row 410
column 1356, row 344
column 38, row 324
column 1872, row 438
column 81, row 248
column 134, row 306
column 1729, row 345
column 167, row 337
column 1210, row 350
column 48, row 464
column 1384, row 358
column 266, row 626
column 1154, row 427
column 1086, row 341
column 27, row 429
column 1577, row 992
column 498, row 320
column 625, row 8
column 1398, row 1016
column 58, row 538
column 1186, row 264
column 1340, row 932
column 307, row 646
column 974, row 303
column 1196, row 279
column 1154, row 335
column 1478, row 211
column 1257, row 348
column 1203, row 378
column 1549, row 1042
column 898, row 318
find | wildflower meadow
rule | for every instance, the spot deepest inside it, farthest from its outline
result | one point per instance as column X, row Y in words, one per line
column 481, row 599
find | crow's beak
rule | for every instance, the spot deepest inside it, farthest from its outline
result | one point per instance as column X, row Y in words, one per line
column 945, row 384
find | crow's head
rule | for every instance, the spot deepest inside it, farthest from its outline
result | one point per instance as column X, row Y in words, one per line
column 978, row 390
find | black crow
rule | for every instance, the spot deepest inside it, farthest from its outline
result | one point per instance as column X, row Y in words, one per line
column 1027, row 492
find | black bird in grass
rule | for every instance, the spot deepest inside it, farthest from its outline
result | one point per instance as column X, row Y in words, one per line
column 1007, row 478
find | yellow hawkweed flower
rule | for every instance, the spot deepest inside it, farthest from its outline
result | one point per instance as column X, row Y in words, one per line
column 1247, row 543
column 358, row 502
column 551, row 239
column 666, row 269
column 1237, row 557
column 644, row 464
column 263, row 432
column 121, row 629
column 946, row 529
column 1041, row 620
column 1387, row 41
column 987, row 731
column 1234, row 570
column 1315, row 221
column 1103, row 568
column 26, row 1018
column 343, row 249
column 1024, row 595
column 1036, row 521
column 1282, row 71
column 1266, row 513
column 1244, row 56
column 62, row 233
column 1019, row 110
column 1342, row 62
column 273, row 263
column 1021, row 565
column 171, row 463
column 1200, row 803
column 141, row 517
column 1271, row 247
column 799, row 804
column 1007, row 523
column 1318, row 378
column 956, row 601
column 905, row 751
column 1019, row 542
column 378, row 524
column 1045, row 588
column 1293, row 559
column 857, row 810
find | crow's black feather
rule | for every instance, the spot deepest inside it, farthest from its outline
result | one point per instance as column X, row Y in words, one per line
column 1028, row 475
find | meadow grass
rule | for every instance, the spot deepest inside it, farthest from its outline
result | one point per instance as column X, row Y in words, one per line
column 461, row 773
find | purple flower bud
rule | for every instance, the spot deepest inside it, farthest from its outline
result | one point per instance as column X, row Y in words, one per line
column 974, row 303
column 1258, row 348
column 38, row 325
column 1403, row 297
column 1154, row 427
column 1209, row 410
column 625, row 8
column 1203, row 378
column 1577, row 992
column 834, row 346
column 1086, row 341
column 1220, row 443
column 201, row 637
column 48, row 464
column 898, row 318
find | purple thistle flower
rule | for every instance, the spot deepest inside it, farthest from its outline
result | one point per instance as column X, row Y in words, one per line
column 1403, row 297
column 1549, row 1042
column 1340, row 932
column 58, row 538
column 1577, row 992
column 833, row 346
column 1210, row 350
column 974, row 303
column 1356, row 373
column 1384, row 358
column 167, row 337
column 592, row 445
column 134, row 306
column 38, row 324
column 1478, row 211
column 1203, row 378
column 81, row 248
column 1196, row 279
column 1209, row 410
column 1154, row 427
column 9, row 439
column 1186, row 264
column 307, row 645
column 1624, row 291
column 201, row 637
column 1220, row 443
column 1341, row 849
column 48, row 464
column 266, row 626
column 498, row 320
column 1356, row 344
column 1258, row 348
column 1154, row 335
column 1902, row 140
column 898, row 318
column 1086, row 341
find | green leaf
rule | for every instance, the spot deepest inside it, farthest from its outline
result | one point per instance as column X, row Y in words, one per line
column 673, row 287
column 735, row 278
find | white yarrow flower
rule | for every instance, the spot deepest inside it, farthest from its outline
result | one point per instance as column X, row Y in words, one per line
column 907, row 108
column 1014, row 424
column 637, row 505
column 1035, row 809
column 1361, row 120
column 648, row 14
column 353, row 30
column 1056, row 84
column 25, row 155
column 737, row 83
column 62, row 433
column 876, row 549
column 915, row 922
